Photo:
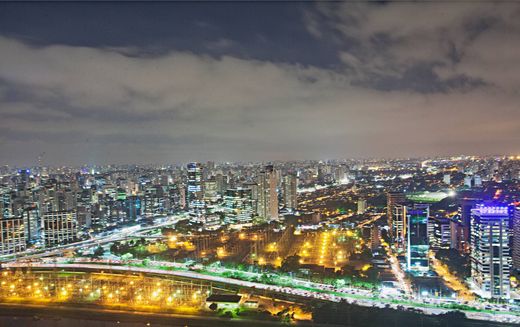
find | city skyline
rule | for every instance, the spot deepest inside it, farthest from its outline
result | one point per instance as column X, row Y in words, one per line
column 100, row 83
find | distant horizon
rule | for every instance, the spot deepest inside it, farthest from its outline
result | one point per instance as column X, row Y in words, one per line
column 182, row 163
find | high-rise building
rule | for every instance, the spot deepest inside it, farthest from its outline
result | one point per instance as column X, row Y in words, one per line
column 417, row 215
column 393, row 199
column 290, row 195
column 468, row 202
column 375, row 237
column 361, row 206
column 516, row 239
column 195, row 192
column 210, row 191
column 12, row 236
column 32, row 223
column 267, row 205
column 222, row 184
column 238, row 206
column 59, row 227
column 399, row 226
column 441, row 233
column 446, row 179
column 490, row 258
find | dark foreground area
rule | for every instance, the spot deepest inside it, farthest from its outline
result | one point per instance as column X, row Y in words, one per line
column 13, row 315
column 358, row 316
column 16, row 315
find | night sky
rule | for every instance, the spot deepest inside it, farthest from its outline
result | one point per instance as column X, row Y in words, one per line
column 135, row 82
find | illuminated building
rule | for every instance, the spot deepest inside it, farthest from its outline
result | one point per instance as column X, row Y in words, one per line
column 210, row 191
column 490, row 258
column 361, row 206
column 399, row 226
column 290, row 186
column 32, row 223
column 59, row 227
column 441, row 233
column 446, row 179
column 267, row 205
column 417, row 237
column 516, row 239
column 12, row 235
column 195, row 198
column 393, row 199
column 238, row 206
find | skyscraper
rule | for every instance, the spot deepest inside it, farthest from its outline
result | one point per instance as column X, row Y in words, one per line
column 516, row 239
column 195, row 198
column 290, row 184
column 238, row 206
column 393, row 199
column 490, row 258
column 417, row 237
column 267, row 206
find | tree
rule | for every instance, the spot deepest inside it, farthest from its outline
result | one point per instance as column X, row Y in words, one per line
column 98, row 252
column 291, row 263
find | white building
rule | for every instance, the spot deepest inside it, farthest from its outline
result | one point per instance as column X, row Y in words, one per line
column 490, row 258
column 12, row 236
column 59, row 227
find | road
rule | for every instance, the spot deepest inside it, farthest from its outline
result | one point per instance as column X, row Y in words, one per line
column 314, row 290
column 98, row 240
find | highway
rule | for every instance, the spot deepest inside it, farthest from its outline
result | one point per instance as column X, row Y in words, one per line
column 97, row 240
column 313, row 290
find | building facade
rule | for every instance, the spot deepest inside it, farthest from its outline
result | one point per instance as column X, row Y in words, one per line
column 59, row 227
column 490, row 258
column 12, row 236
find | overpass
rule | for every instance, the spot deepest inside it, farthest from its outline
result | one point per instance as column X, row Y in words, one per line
column 299, row 289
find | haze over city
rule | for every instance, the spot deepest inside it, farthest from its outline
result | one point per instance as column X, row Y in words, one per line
column 173, row 82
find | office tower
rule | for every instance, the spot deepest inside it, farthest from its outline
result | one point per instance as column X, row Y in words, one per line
column 210, row 191
column 399, row 226
column 23, row 179
column 32, row 223
column 417, row 237
column 467, row 203
column 133, row 207
column 238, row 206
column 392, row 199
column 516, row 239
column 457, row 241
column 59, row 227
column 361, row 206
column 290, row 196
column 195, row 192
column 5, row 203
column 267, row 206
column 441, row 233
column 222, row 184
column 490, row 258
column 12, row 236
column 447, row 179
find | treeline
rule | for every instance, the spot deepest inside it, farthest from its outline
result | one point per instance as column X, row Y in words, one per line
column 352, row 315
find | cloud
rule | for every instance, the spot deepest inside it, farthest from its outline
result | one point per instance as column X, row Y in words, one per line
column 476, row 43
column 97, row 105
